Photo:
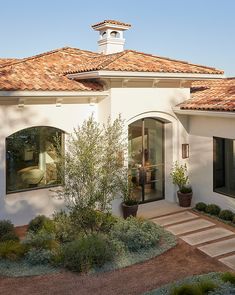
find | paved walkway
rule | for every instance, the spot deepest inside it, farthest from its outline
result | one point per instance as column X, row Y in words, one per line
column 208, row 236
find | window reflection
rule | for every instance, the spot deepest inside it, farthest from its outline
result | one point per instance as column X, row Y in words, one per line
column 33, row 158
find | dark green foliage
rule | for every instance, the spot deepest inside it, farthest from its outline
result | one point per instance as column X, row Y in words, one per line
column 186, row 190
column 131, row 202
column 7, row 231
column 37, row 223
column 92, row 221
column 186, row 289
column 87, row 252
column 226, row 215
column 206, row 286
column 12, row 250
column 234, row 219
column 201, row 206
column 136, row 233
column 213, row 209
column 228, row 277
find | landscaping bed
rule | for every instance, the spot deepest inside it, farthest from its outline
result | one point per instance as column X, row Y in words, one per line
column 211, row 283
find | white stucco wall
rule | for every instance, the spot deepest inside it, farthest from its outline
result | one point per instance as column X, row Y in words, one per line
column 202, row 129
column 136, row 103
column 21, row 207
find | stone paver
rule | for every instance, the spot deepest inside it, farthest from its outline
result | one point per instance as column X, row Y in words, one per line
column 207, row 236
column 189, row 226
column 229, row 261
column 219, row 248
column 175, row 218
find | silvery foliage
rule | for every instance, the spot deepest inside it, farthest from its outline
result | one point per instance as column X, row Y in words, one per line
column 93, row 164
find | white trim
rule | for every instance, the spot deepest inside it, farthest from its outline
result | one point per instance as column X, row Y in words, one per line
column 153, row 75
column 179, row 111
column 54, row 93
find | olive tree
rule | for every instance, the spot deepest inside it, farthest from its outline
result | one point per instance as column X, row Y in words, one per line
column 94, row 164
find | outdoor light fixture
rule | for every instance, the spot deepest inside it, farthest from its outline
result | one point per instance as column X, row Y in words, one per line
column 185, row 150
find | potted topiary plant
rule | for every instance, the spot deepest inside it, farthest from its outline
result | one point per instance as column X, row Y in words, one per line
column 180, row 178
column 129, row 203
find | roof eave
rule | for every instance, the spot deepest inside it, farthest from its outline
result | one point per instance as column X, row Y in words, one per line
column 145, row 75
column 207, row 113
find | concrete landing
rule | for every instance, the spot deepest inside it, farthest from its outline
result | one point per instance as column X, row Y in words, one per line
column 158, row 208
column 175, row 218
column 207, row 236
column 219, row 248
column 229, row 261
column 189, row 226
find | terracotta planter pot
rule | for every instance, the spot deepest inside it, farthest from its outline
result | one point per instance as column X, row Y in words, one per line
column 184, row 199
column 129, row 210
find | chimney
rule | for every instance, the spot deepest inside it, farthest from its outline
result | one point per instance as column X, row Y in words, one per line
column 111, row 36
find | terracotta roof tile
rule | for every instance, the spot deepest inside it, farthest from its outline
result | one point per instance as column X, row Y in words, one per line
column 213, row 95
column 112, row 22
column 134, row 61
column 5, row 61
column 46, row 72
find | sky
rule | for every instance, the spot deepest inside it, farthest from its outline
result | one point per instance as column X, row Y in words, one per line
column 198, row 31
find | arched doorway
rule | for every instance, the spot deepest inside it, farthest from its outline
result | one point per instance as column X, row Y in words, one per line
column 146, row 158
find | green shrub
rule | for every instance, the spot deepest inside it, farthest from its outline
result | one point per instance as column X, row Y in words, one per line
column 12, row 250
column 87, row 252
column 186, row 189
column 91, row 220
column 206, row 286
column 63, row 229
column 186, row 289
column 38, row 256
column 213, row 209
column 226, row 215
column 201, row 206
column 7, row 231
column 228, row 277
column 135, row 233
column 37, row 223
column 40, row 240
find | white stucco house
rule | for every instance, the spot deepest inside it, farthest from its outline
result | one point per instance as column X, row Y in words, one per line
column 174, row 111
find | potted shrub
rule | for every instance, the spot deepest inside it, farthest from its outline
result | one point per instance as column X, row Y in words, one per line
column 180, row 178
column 129, row 204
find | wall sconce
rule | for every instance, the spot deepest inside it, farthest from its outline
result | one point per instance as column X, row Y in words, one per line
column 185, row 150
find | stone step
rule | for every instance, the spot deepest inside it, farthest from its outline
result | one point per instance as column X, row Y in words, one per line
column 219, row 248
column 189, row 226
column 175, row 218
column 229, row 261
column 207, row 236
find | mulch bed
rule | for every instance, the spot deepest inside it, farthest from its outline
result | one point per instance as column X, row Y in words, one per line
column 175, row 264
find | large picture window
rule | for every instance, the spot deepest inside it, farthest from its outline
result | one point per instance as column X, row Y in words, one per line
column 33, row 158
column 224, row 166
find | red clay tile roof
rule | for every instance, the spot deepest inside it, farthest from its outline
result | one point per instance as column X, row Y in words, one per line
column 134, row 61
column 112, row 22
column 4, row 61
column 46, row 72
column 213, row 95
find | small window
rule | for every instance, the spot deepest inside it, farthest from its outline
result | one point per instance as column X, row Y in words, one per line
column 33, row 158
column 224, row 166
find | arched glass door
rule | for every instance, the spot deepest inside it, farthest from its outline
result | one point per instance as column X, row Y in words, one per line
column 146, row 158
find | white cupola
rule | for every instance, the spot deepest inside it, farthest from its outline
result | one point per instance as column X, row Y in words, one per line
column 111, row 36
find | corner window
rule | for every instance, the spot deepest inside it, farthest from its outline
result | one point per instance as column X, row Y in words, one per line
column 224, row 166
column 33, row 158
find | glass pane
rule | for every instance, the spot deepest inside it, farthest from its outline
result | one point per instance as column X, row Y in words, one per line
column 224, row 166
column 146, row 159
column 153, row 151
column 33, row 158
